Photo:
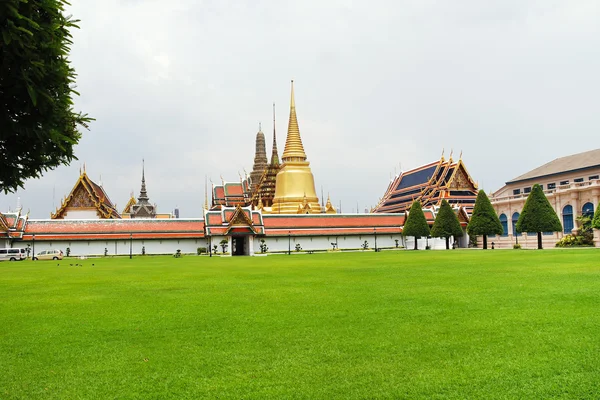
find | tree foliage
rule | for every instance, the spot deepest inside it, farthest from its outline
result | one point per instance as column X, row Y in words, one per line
column 416, row 224
column 538, row 215
column 446, row 223
column 596, row 220
column 484, row 220
column 38, row 126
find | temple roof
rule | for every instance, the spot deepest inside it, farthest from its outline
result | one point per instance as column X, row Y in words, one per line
column 87, row 194
column 231, row 194
column 12, row 224
column 575, row 162
column 430, row 184
column 129, row 204
column 335, row 224
column 92, row 229
column 239, row 220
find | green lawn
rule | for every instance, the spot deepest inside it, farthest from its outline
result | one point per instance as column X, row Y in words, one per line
column 396, row 324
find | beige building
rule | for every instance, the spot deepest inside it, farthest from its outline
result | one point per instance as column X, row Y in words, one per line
column 571, row 184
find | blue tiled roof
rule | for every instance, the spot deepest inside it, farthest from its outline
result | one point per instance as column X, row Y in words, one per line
column 416, row 178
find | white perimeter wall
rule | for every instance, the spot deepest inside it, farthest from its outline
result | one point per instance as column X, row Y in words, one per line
column 81, row 214
column 280, row 243
column 275, row 244
column 117, row 247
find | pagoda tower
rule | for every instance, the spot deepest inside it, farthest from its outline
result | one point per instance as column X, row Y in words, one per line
column 265, row 190
column 295, row 187
column 143, row 208
column 260, row 160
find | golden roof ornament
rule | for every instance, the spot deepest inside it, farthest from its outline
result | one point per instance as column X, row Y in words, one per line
column 294, row 150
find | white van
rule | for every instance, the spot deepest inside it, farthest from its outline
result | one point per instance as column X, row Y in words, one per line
column 13, row 254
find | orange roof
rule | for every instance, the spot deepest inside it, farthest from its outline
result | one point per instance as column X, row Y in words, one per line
column 114, row 229
column 332, row 224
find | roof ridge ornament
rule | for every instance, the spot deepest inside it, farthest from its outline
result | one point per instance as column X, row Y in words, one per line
column 294, row 150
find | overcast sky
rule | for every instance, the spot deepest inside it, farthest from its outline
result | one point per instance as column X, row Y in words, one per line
column 184, row 84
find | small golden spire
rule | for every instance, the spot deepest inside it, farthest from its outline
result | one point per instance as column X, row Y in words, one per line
column 205, row 193
column 294, row 150
column 460, row 157
column 450, row 158
column 443, row 155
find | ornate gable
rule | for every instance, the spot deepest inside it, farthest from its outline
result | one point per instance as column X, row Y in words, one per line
column 129, row 204
column 3, row 223
column 461, row 180
column 87, row 195
column 240, row 219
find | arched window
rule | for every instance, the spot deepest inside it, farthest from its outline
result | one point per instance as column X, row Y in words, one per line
column 588, row 210
column 504, row 222
column 515, row 218
column 567, row 219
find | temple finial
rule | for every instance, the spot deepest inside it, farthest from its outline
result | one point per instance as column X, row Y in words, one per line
column 205, row 192
column 275, row 153
column 442, row 156
column 460, row 157
column 143, row 193
column 259, row 127
column 294, row 150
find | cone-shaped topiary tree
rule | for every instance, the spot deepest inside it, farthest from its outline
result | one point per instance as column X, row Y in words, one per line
column 416, row 224
column 538, row 215
column 596, row 219
column 446, row 224
column 484, row 220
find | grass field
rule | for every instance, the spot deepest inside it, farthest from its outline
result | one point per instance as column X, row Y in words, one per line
column 397, row 324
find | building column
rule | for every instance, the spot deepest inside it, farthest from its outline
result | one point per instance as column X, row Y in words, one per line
column 251, row 245
column 229, row 245
column 576, row 210
column 595, row 197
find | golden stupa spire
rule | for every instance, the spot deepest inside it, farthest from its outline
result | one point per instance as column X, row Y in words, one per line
column 294, row 151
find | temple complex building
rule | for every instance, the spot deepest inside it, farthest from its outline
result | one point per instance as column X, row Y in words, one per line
column 295, row 185
column 430, row 184
column 87, row 200
column 572, row 186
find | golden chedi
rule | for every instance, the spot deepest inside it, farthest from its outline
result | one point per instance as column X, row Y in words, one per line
column 295, row 186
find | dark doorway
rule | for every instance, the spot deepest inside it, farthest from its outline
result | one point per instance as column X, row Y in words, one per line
column 239, row 246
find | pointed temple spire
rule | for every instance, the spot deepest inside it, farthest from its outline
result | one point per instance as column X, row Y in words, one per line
column 260, row 159
column 143, row 193
column 143, row 208
column 295, row 183
column 274, row 153
column 294, row 151
column 205, row 192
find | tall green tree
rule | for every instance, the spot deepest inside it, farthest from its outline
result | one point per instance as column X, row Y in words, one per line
column 416, row 224
column 538, row 215
column 446, row 224
column 484, row 220
column 38, row 126
column 596, row 220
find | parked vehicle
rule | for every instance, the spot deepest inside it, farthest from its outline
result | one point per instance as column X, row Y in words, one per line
column 13, row 254
column 49, row 255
